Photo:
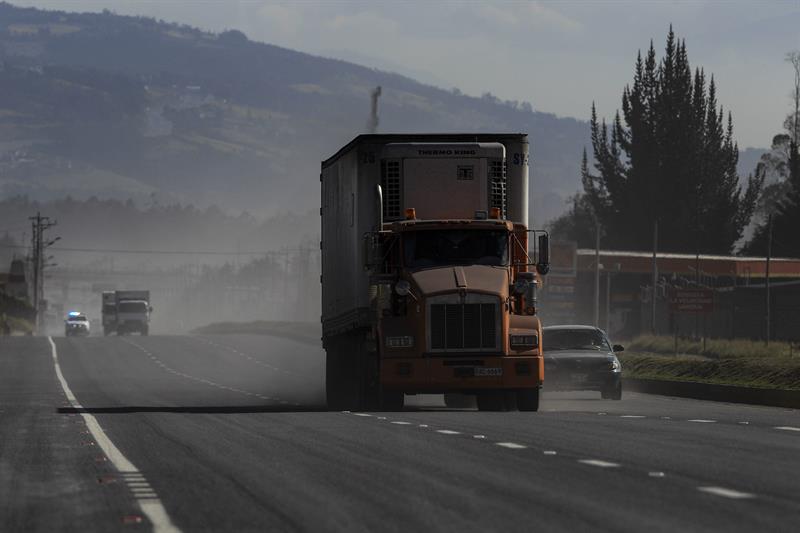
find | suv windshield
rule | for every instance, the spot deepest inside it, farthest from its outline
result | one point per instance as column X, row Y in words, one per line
column 132, row 307
column 455, row 247
column 574, row 339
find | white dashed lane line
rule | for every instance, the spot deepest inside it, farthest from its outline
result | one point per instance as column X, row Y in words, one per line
column 511, row 445
column 702, row 421
column 599, row 463
column 726, row 493
column 208, row 382
column 787, row 428
column 716, row 491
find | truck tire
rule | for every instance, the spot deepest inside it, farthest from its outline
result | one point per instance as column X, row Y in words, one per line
column 351, row 375
column 528, row 399
column 392, row 401
column 496, row 400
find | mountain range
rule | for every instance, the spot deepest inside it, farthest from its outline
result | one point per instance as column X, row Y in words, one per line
column 97, row 104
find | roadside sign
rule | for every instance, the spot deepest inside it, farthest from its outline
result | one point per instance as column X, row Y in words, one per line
column 692, row 301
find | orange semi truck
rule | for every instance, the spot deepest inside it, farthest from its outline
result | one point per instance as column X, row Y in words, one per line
column 427, row 285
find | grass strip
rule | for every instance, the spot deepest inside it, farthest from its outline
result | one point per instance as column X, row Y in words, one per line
column 715, row 348
column 759, row 372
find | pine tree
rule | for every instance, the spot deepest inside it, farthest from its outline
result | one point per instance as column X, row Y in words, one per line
column 669, row 157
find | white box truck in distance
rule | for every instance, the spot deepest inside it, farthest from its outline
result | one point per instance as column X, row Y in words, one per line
column 426, row 285
column 126, row 312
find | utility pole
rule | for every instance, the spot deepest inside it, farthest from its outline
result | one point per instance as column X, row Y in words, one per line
column 766, row 282
column 655, row 279
column 39, row 225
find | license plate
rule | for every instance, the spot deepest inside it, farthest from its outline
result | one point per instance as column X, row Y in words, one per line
column 578, row 378
column 481, row 371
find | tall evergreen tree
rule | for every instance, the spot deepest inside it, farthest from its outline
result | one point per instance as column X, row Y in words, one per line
column 669, row 157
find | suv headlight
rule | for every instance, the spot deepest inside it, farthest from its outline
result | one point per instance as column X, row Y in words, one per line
column 614, row 365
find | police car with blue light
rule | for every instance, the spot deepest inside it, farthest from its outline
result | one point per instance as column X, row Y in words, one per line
column 76, row 325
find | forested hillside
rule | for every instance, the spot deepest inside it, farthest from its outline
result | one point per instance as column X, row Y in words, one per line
column 124, row 106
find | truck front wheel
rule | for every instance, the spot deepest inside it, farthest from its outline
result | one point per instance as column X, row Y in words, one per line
column 528, row 399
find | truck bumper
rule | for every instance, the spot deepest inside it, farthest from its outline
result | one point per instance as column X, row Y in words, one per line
column 464, row 374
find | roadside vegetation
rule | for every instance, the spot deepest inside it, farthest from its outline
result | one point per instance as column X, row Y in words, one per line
column 738, row 362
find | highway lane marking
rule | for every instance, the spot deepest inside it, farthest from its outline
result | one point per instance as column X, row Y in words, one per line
column 401, row 423
column 656, row 474
column 511, row 445
column 744, row 423
column 448, row 432
column 358, row 414
column 726, row 493
column 205, row 381
column 702, row 421
column 632, row 416
column 787, row 428
column 251, row 358
column 479, row 436
column 599, row 463
column 423, row 425
column 549, row 452
column 151, row 507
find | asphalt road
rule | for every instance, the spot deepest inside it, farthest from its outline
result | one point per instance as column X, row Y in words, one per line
column 226, row 433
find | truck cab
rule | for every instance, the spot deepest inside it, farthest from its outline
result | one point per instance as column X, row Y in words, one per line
column 428, row 279
column 133, row 316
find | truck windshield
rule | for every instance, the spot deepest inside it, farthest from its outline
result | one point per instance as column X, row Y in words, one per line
column 455, row 247
column 132, row 307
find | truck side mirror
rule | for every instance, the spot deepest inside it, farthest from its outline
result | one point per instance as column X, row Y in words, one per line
column 543, row 261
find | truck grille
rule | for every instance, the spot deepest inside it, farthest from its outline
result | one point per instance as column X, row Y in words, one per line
column 468, row 326
column 390, row 184
column 497, row 186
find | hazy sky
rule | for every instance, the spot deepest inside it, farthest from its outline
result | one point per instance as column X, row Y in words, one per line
column 560, row 56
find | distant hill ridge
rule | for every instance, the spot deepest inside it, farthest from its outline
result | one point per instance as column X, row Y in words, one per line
column 97, row 103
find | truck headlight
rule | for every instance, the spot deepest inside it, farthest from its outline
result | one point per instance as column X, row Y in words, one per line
column 402, row 341
column 524, row 341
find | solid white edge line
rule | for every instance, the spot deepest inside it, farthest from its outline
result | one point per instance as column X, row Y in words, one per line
column 726, row 493
column 151, row 508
